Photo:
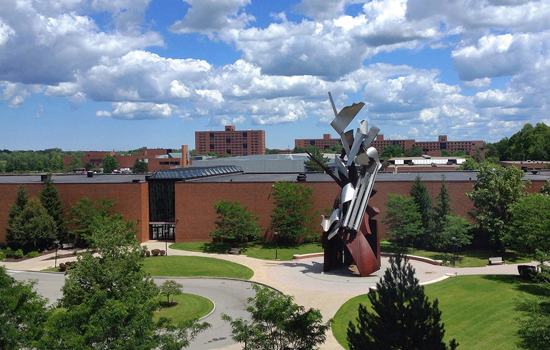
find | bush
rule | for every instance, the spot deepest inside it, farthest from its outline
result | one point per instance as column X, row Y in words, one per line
column 162, row 252
column 9, row 253
column 155, row 252
column 147, row 253
column 18, row 254
column 2, row 256
column 33, row 254
column 70, row 265
column 3, row 245
column 62, row 267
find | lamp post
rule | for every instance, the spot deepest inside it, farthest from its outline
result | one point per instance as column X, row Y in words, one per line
column 56, row 242
column 276, row 245
column 454, row 252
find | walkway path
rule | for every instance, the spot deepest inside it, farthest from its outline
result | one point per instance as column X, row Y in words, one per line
column 304, row 279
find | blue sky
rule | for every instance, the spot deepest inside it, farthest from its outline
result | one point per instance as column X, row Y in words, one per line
column 122, row 74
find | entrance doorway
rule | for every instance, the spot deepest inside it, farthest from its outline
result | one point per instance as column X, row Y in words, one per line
column 163, row 231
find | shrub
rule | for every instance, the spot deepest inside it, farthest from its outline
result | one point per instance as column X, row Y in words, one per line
column 147, row 253
column 2, row 256
column 70, row 265
column 9, row 253
column 33, row 254
column 3, row 245
column 162, row 252
column 155, row 252
column 18, row 254
column 62, row 267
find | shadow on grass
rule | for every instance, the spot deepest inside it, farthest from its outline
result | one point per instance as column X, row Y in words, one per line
column 215, row 247
column 520, row 284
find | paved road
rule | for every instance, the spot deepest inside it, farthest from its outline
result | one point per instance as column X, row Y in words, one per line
column 229, row 297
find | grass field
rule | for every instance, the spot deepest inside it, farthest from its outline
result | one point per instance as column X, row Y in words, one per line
column 189, row 306
column 467, row 258
column 265, row 251
column 194, row 266
column 478, row 311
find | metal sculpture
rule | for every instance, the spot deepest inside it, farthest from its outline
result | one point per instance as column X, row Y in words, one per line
column 350, row 233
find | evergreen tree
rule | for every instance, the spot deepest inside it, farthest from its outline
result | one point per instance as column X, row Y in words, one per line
column 316, row 153
column 49, row 197
column 21, row 201
column 140, row 166
column 402, row 317
column 442, row 206
column 423, row 200
column 33, row 229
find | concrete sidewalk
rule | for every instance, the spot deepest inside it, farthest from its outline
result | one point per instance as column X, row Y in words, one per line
column 304, row 278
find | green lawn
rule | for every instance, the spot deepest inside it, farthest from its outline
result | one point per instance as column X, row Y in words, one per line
column 478, row 311
column 467, row 258
column 265, row 251
column 193, row 266
column 189, row 306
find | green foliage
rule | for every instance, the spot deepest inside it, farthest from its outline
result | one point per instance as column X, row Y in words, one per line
column 85, row 212
column 493, row 195
column 76, row 163
column 455, row 232
column 531, row 223
column 423, row 200
column 414, row 151
column 468, row 164
column 477, row 157
column 140, row 166
column 316, row 153
column 391, row 151
column 170, row 287
column 23, row 313
column 402, row 317
column 291, row 217
column 445, row 153
column 403, row 218
column 110, row 301
column 534, row 327
column 271, row 151
column 21, row 201
column 545, row 189
column 2, row 256
column 33, row 254
column 33, row 229
column 278, row 323
column 50, row 199
column 442, row 206
column 109, row 163
column 235, row 223
column 460, row 153
column 337, row 148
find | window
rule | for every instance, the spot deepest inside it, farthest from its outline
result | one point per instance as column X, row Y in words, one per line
column 244, row 134
column 245, row 146
column 211, row 135
column 228, row 140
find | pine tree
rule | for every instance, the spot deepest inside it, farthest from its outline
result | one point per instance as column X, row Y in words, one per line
column 17, row 208
column 423, row 200
column 49, row 197
column 442, row 206
column 402, row 316
column 316, row 153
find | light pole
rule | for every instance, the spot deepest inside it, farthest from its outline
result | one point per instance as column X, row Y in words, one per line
column 56, row 242
column 454, row 252
column 276, row 245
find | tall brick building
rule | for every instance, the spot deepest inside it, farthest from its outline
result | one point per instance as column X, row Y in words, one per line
column 433, row 148
column 230, row 141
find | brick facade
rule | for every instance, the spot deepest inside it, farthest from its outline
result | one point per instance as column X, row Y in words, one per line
column 230, row 141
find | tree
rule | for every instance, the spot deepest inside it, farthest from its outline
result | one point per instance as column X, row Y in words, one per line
column 414, row 151
column 316, row 153
column 140, row 166
column 56, row 164
column 76, row 163
column 493, row 195
column 21, row 201
column 534, row 327
column 459, row 153
column 49, row 197
column 170, row 287
column 291, row 217
column 468, row 164
column 419, row 193
column 477, row 157
column 403, row 218
column 455, row 232
column 442, row 206
column 445, row 153
column 391, row 151
column 109, row 163
column 85, row 212
column 402, row 318
column 531, row 223
column 110, row 300
column 278, row 323
column 235, row 223
column 545, row 189
column 23, row 312
column 33, row 229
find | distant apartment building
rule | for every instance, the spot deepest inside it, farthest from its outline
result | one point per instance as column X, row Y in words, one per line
column 230, row 141
column 432, row 148
column 156, row 159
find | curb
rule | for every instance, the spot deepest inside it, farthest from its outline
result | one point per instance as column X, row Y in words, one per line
column 410, row 257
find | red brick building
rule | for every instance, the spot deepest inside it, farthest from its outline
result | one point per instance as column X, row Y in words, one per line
column 230, row 141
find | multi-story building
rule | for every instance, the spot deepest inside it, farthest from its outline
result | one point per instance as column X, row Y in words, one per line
column 230, row 141
column 433, row 148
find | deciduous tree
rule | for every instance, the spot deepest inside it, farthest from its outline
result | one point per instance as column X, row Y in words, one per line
column 109, row 163
column 171, row 287
column 291, row 217
column 403, row 218
column 235, row 223
column 140, row 166
column 545, row 189
column 414, row 151
column 85, row 212
column 402, row 318
column 278, row 323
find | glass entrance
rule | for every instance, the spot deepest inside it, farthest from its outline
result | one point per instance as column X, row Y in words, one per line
column 162, row 231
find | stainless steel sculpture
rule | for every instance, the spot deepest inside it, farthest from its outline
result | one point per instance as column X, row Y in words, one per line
column 350, row 233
